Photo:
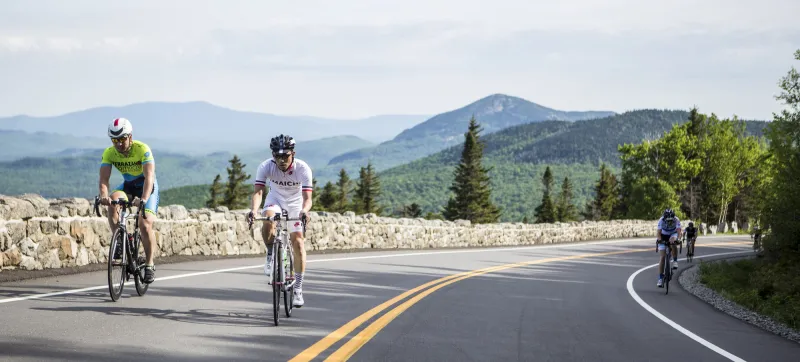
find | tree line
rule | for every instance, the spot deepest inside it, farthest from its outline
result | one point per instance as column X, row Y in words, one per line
column 361, row 195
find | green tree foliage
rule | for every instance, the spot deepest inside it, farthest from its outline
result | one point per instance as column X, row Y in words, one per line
column 216, row 191
column 565, row 209
column 327, row 197
column 368, row 192
column 413, row 211
column 652, row 197
column 237, row 194
column 471, row 184
column 344, row 187
column 783, row 212
column 606, row 199
column 546, row 211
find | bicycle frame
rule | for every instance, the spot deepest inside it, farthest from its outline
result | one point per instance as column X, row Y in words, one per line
column 281, row 283
column 130, row 247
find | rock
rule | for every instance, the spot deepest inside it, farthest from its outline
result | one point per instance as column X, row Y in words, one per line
column 12, row 208
column 28, row 263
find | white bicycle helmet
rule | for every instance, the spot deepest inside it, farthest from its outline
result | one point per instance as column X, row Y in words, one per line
column 120, row 127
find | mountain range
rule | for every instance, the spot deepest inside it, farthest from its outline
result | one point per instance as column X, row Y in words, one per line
column 416, row 165
column 193, row 122
column 494, row 112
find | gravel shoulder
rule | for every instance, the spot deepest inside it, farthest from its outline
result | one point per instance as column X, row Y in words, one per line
column 689, row 279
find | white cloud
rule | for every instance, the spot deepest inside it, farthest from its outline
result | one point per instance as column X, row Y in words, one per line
column 355, row 58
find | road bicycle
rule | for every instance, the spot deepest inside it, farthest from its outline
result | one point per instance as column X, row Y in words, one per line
column 690, row 248
column 282, row 275
column 124, row 252
column 667, row 263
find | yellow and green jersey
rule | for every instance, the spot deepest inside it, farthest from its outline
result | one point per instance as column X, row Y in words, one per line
column 131, row 166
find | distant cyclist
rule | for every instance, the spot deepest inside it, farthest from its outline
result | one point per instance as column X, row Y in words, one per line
column 669, row 231
column 691, row 237
column 290, row 187
column 135, row 161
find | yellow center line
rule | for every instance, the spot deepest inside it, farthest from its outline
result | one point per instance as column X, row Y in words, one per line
column 350, row 348
column 354, row 344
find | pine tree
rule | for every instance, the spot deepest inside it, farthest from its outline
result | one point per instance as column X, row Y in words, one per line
column 216, row 192
column 328, row 197
column 566, row 210
column 368, row 191
column 606, row 199
column 546, row 211
column 236, row 192
column 471, row 183
column 412, row 210
column 343, row 189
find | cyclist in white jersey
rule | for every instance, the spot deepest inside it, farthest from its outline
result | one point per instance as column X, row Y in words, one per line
column 669, row 230
column 290, row 187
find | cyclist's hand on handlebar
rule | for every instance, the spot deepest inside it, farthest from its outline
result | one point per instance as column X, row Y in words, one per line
column 105, row 201
column 250, row 217
column 304, row 217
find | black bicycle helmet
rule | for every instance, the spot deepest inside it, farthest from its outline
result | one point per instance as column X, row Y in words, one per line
column 281, row 144
column 668, row 213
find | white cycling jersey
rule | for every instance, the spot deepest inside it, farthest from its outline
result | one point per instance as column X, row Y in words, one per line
column 288, row 185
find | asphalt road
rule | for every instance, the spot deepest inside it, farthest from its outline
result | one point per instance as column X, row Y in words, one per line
column 544, row 303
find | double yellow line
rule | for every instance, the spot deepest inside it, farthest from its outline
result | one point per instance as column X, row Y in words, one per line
column 354, row 344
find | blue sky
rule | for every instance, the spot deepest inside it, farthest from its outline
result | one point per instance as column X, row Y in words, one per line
column 349, row 59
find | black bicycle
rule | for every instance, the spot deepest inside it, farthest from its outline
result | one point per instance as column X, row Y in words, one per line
column 282, row 278
column 690, row 248
column 124, row 253
column 667, row 261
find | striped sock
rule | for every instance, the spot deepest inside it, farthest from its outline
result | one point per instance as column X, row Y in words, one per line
column 298, row 277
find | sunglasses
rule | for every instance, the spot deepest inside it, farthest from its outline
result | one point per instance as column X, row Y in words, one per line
column 117, row 141
column 281, row 155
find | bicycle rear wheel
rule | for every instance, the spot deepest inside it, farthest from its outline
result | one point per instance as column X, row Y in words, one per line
column 277, row 284
column 138, row 277
column 116, row 281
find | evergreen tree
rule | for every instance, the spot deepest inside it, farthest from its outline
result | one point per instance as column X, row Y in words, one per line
column 546, row 211
column 237, row 195
column 412, row 210
column 327, row 197
column 606, row 199
column 344, row 187
column 471, row 183
column 368, row 191
column 566, row 210
column 216, row 190
column 783, row 211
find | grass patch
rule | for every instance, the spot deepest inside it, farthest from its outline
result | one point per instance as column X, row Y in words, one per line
column 768, row 288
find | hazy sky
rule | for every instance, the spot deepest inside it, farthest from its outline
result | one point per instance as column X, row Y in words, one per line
column 355, row 58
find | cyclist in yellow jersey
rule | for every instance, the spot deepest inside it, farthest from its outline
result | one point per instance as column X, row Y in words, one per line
column 135, row 161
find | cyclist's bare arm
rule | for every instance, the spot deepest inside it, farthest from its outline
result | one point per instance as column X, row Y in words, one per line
column 255, row 200
column 149, row 170
column 307, row 203
column 105, row 175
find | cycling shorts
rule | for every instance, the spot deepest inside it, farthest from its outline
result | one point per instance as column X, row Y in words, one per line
column 664, row 238
column 275, row 203
column 135, row 188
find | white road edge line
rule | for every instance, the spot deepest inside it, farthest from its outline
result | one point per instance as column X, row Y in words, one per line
column 677, row 326
column 485, row 250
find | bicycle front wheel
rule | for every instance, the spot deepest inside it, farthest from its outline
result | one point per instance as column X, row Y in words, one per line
column 277, row 284
column 116, row 265
column 667, row 274
column 288, row 292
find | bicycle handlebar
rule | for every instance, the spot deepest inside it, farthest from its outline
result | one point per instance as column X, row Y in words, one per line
column 120, row 201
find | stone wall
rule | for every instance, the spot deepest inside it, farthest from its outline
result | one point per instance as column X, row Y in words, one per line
column 37, row 233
